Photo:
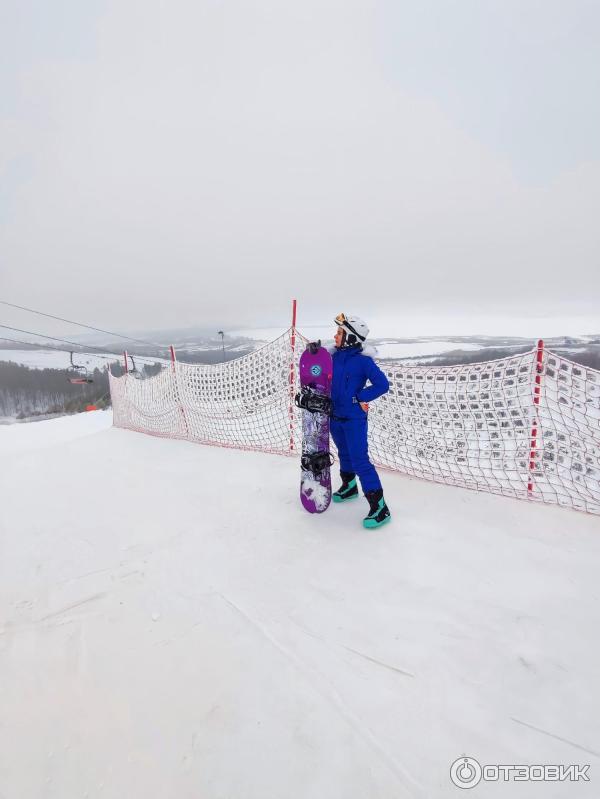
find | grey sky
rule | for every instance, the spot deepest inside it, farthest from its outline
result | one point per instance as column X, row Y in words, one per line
column 201, row 163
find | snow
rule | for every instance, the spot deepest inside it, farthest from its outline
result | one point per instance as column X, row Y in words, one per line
column 426, row 349
column 395, row 349
column 24, row 437
column 260, row 334
column 49, row 359
column 578, row 349
column 174, row 624
column 385, row 349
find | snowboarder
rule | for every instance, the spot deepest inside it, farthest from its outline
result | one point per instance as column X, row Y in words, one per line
column 352, row 367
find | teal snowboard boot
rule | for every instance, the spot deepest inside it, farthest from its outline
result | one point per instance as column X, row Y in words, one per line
column 379, row 512
column 348, row 489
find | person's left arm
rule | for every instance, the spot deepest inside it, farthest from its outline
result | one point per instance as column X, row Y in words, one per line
column 379, row 383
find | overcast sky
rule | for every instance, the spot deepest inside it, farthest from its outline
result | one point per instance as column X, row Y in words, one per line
column 432, row 166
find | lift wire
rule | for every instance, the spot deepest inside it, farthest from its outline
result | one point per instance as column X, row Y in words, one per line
column 81, row 324
column 67, row 352
column 56, row 349
column 80, row 347
column 112, row 359
column 118, row 356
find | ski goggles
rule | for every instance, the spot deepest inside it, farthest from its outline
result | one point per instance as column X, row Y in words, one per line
column 341, row 320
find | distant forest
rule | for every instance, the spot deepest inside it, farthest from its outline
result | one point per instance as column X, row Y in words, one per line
column 589, row 357
column 208, row 357
column 26, row 392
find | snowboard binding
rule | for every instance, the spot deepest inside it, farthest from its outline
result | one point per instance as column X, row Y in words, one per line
column 309, row 400
column 316, row 462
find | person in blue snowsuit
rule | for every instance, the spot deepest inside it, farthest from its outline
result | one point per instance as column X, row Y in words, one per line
column 350, row 397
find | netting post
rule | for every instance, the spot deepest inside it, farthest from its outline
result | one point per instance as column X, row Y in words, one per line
column 292, row 375
column 178, row 392
column 537, row 392
column 125, row 359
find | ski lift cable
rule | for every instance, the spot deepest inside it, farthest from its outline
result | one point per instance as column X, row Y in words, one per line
column 133, row 370
column 80, row 347
column 112, row 359
column 73, row 367
column 82, row 324
column 57, row 349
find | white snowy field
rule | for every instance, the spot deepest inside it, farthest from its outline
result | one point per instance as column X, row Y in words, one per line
column 392, row 349
column 398, row 350
column 175, row 625
column 51, row 359
column 46, row 359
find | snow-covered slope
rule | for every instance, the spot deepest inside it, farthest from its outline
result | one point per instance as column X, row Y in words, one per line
column 175, row 625
column 26, row 436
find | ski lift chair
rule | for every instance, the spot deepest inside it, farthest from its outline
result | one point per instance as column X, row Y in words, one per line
column 134, row 371
column 78, row 375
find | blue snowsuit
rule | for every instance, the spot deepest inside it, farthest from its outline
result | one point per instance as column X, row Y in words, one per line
column 351, row 370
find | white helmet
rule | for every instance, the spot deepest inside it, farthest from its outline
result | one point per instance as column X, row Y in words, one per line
column 356, row 331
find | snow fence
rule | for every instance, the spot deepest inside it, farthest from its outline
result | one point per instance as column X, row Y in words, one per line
column 526, row 426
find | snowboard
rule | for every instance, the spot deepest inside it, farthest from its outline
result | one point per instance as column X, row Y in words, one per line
column 314, row 397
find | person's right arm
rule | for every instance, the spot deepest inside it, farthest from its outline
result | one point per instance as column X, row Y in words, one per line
column 379, row 383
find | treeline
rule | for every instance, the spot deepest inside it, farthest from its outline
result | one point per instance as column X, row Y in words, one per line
column 460, row 357
column 589, row 357
column 28, row 392
column 209, row 357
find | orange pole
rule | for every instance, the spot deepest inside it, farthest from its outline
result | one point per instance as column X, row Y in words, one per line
column 292, row 375
column 181, row 408
column 537, row 391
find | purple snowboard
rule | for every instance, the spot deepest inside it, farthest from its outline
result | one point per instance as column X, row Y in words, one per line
column 315, row 373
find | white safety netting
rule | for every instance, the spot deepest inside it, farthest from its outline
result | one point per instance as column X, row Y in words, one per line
column 246, row 403
column 488, row 426
column 567, row 464
column 478, row 426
